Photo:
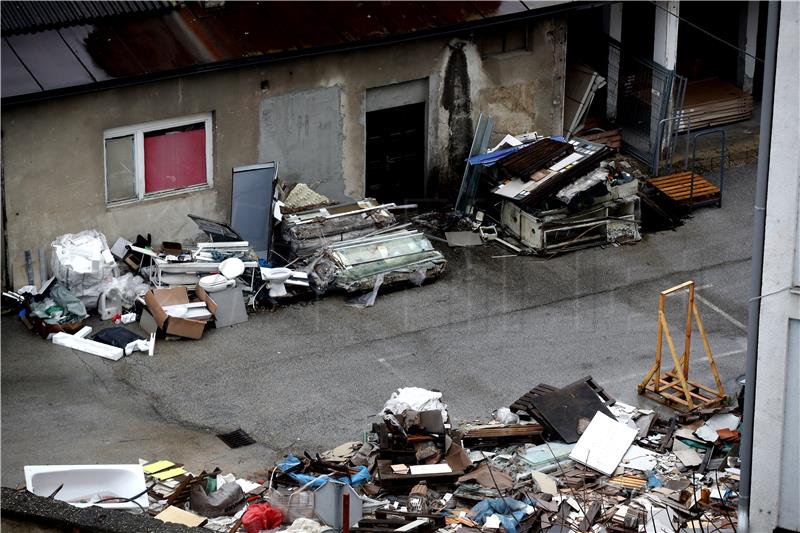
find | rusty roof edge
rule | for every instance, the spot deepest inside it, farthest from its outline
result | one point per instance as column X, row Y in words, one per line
column 550, row 9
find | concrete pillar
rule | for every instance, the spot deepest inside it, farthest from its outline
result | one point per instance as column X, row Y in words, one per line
column 614, row 30
column 749, row 41
column 665, row 35
column 776, row 422
column 665, row 53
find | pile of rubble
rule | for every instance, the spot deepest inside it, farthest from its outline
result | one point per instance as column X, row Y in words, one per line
column 547, row 195
column 178, row 290
column 559, row 459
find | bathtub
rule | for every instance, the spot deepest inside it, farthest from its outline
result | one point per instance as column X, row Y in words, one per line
column 86, row 484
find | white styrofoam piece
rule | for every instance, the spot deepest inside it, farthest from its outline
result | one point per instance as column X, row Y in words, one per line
column 84, row 332
column 419, row 522
column 89, row 346
column 603, row 445
column 442, row 468
column 231, row 244
column 83, row 485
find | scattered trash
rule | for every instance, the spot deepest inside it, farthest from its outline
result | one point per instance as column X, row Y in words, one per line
column 628, row 471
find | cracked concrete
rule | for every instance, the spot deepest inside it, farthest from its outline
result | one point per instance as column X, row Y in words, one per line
column 313, row 375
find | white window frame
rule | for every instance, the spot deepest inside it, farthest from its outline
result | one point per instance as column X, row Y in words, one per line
column 138, row 131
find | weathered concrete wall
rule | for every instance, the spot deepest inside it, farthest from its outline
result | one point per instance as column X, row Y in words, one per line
column 308, row 114
column 303, row 132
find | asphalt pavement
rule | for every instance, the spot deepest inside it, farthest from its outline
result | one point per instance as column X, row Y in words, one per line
column 313, row 375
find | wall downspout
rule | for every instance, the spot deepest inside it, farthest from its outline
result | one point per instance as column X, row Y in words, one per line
column 754, row 303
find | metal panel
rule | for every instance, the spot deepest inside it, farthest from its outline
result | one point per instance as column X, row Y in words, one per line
column 251, row 204
column 16, row 78
column 50, row 60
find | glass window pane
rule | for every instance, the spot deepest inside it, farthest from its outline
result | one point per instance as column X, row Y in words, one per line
column 120, row 169
column 175, row 158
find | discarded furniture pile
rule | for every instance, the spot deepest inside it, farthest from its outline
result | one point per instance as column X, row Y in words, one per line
column 546, row 195
column 558, row 459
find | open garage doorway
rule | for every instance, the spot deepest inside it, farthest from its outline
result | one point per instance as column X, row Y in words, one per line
column 396, row 153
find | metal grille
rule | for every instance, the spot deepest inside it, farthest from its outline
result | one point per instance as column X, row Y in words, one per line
column 236, row 439
column 649, row 93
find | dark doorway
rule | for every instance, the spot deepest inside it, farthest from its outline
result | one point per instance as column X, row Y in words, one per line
column 396, row 154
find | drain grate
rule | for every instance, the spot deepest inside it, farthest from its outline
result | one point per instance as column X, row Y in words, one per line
column 236, row 439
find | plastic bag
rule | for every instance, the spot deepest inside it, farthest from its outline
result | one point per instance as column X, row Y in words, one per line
column 83, row 262
column 225, row 501
column 117, row 336
column 415, row 399
column 298, row 504
column 505, row 416
column 367, row 299
column 261, row 517
column 127, row 286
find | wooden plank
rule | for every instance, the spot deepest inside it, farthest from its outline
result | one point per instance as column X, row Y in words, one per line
column 720, row 389
column 683, row 181
column 677, row 386
column 699, row 183
column 686, row 195
column 701, row 188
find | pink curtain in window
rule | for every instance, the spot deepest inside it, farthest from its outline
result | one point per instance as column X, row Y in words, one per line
column 174, row 160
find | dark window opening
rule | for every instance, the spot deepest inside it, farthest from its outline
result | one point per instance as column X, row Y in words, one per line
column 395, row 170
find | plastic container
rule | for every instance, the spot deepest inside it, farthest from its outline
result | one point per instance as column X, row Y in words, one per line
column 109, row 304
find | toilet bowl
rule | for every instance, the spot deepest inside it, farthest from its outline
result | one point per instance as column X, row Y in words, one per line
column 276, row 277
column 229, row 269
column 216, row 283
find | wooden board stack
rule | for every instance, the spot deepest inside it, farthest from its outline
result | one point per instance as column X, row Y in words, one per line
column 611, row 138
column 713, row 102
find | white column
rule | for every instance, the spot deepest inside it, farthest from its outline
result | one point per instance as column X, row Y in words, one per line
column 665, row 53
column 614, row 30
column 665, row 36
column 750, row 40
column 776, row 422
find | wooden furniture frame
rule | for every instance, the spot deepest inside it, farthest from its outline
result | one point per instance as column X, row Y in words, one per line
column 674, row 387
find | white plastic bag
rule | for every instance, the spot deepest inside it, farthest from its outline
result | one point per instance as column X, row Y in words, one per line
column 128, row 286
column 82, row 262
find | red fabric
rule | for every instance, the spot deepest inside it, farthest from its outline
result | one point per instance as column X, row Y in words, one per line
column 261, row 516
column 174, row 160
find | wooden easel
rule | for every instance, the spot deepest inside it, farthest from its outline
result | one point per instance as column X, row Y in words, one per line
column 674, row 387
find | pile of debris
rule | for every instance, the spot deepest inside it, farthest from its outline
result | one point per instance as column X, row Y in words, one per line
column 547, row 194
column 314, row 247
column 558, row 459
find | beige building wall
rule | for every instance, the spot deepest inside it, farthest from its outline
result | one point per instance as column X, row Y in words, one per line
column 53, row 167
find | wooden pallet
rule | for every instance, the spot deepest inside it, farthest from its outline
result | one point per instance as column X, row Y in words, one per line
column 678, row 187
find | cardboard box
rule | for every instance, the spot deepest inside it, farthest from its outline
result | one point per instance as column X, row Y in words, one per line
column 182, row 327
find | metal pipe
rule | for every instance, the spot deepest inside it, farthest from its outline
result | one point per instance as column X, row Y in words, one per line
column 753, row 305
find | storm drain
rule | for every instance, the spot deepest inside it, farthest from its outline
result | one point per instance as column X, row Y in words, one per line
column 236, row 439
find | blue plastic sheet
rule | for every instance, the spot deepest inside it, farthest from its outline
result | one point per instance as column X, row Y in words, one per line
column 291, row 462
column 490, row 159
column 510, row 511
